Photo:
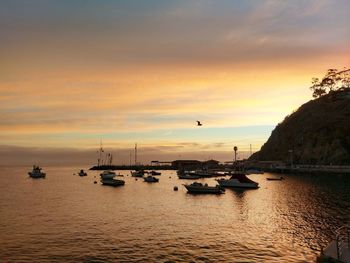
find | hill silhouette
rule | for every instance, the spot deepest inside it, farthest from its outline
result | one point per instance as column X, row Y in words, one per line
column 317, row 133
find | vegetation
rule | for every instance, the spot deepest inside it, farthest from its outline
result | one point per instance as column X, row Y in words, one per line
column 333, row 80
column 319, row 131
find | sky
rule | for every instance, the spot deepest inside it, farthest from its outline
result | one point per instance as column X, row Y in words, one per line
column 73, row 73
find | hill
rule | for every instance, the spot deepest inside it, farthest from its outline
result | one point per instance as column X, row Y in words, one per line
column 317, row 133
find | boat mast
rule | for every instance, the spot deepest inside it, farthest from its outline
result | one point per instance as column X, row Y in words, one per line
column 135, row 153
column 100, row 154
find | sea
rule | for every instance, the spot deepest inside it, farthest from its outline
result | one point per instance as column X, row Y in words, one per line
column 67, row 218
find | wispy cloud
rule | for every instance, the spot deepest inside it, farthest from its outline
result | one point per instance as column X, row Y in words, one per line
column 76, row 72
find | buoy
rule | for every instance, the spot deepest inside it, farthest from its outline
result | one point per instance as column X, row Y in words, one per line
column 135, row 179
column 175, row 188
column 169, row 176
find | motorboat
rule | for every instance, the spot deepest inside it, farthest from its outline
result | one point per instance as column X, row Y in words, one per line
column 154, row 173
column 151, row 179
column 189, row 176
column 82, row 173
column 338, row 250
column 238, row 180
column 275, row 179
column 199, row 188
column 36, row 172
column 202, row 173
column 112, row 182
column 138, row 173
column 108, row 174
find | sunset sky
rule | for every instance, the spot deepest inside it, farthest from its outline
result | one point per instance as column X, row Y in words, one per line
column 75, row 72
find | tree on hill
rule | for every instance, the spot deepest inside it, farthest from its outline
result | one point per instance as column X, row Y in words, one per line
column 333, row 80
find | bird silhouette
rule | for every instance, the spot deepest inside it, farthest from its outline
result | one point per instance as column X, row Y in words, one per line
column 199, row 123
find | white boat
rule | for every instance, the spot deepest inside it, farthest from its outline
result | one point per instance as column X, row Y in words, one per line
column 82, row 173
column 150, row 179
column 36, row 172
column 238, row 180
column 108, row 174
column 198, row 188
column 338, row 250
column 139, row 173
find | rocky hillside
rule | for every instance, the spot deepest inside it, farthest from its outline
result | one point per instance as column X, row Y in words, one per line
column 317, row 133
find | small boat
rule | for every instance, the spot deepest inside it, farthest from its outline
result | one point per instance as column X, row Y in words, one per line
column 202, row 173
column 82, row 173
column 138, row 173
column 238, row 180
column 112, row 182
column 150, row 179
column 199, row 188
column 36, row 172
column 338, row 250
column 188, row 176
column 154, row 173
column 275, row 179
column 108, row 174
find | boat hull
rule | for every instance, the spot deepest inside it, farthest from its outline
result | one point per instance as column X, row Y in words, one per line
column 37, row 175
column 150, row 180
column 189, row 177
column 237, row 184
column 203, row 190
column 137, row 174
column 112, row 182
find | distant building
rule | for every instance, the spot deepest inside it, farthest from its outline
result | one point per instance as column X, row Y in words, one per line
column 211, row 164
column 186, row 164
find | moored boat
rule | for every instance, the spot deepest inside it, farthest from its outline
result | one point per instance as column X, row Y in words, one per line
column 199, row 188
column 188, row 176
column 202, row 173
column 150, row 179
column 238, row 180
column 154, row 173
column 112, row 182
column 82, row 173
column 36, row 172
column 138, row 173
column 108, row 174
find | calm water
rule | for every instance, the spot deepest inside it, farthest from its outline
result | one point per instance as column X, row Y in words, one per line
column 67, row 218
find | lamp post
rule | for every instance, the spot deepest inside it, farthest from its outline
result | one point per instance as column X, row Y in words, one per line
column 235, row 149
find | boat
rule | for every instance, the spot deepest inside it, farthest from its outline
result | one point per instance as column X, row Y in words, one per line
column 151, row 179
column 112, row 182
column 188, row 176
column 338, row 250
column 199, row 188
column 202, row 173
column 36, row 172
column 138, row 173
column 108, row 174
column 82, row 173
column 275, row 179
column 154, row 173
column 238, row 180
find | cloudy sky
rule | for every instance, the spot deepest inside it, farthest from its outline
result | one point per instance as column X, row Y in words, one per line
column 75, row 72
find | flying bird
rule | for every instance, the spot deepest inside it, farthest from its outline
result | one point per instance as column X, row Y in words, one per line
column 199, row 123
